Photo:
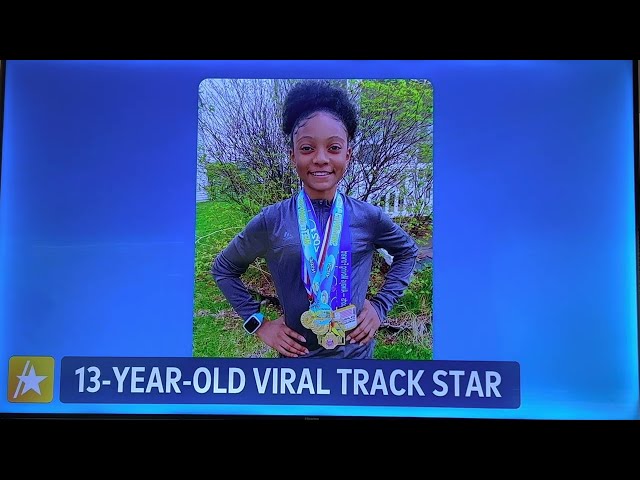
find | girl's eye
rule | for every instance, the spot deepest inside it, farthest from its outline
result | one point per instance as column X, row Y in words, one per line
column 306, row 148
column 335, row 148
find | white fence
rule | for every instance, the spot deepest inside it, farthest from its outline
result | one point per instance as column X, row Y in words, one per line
column 398, row 204
column 413, row 196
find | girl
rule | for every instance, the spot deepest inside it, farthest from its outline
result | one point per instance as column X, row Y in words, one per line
column 319, row 244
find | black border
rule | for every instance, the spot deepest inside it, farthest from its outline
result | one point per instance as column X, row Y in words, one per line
column 424, row 445
column 553, row 429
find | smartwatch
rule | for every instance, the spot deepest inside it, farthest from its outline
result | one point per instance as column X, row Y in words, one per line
column 252, row 324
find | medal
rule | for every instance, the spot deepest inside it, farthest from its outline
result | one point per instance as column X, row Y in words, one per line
column 330, row 341
column 307, row 319
column 326, row 272
column 317, row 320
column 330, row 329
column 346, row 316
column 329, row 326
column 337, row 329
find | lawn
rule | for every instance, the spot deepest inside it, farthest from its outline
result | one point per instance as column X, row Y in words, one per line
column 217, row 329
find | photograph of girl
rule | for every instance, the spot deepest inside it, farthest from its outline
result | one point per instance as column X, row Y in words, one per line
column 314, row 219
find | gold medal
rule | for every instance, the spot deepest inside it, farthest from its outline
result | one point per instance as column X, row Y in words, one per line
column 328, row 326
column 318, row 321
column 329, row 341
column 335, row 336
column 321, row 321
column 307, row 319
column 338, row 330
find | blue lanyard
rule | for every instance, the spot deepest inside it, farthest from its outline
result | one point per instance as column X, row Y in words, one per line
column 326, row 262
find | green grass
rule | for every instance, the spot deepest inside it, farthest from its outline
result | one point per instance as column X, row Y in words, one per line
column 409, row 334
column 217, row 329
column 214, row 332
column 401, row 350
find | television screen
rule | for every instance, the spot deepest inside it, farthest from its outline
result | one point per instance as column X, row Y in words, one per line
column 318, row 239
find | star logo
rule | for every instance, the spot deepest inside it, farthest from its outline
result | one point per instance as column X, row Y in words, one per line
column 30, row 379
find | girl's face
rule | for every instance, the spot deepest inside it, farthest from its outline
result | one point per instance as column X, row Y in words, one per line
column 321, row 154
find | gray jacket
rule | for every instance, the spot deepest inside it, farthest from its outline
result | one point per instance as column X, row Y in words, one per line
column 273, row 234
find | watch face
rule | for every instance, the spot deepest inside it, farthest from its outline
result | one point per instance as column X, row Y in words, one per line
column 251, row 325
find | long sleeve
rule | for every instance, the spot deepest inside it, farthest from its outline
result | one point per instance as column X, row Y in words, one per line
column 235, row 259
column 405, row 252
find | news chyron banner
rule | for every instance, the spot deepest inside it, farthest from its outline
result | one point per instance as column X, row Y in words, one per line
column 137, row 380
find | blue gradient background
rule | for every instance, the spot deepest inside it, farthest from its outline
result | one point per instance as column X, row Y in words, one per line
column 534, row 222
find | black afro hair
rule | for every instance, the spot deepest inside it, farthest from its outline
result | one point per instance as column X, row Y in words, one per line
column 310, row 96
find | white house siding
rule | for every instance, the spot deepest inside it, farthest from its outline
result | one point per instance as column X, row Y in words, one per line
column 201, row 193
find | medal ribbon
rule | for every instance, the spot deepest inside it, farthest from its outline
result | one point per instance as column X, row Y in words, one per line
column 326, row 263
